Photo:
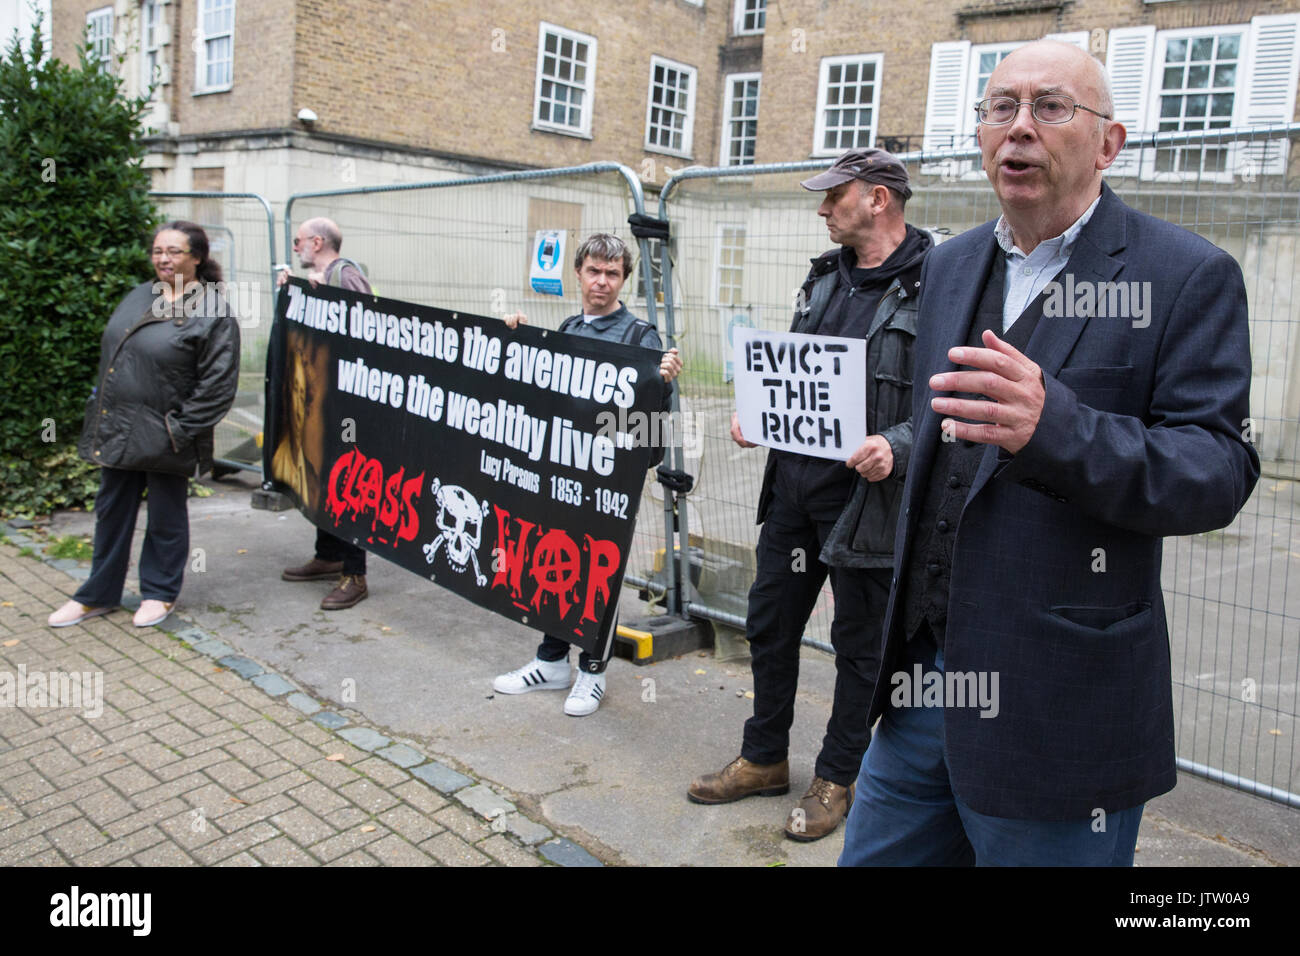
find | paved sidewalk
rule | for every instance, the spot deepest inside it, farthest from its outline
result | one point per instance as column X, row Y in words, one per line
column 210, row 748
column 194, row 754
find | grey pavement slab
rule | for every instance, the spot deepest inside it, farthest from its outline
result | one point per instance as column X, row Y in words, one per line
column 273, row 684
column 441, row 777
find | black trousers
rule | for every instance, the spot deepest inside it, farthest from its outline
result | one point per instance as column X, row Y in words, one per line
column 166, row 538
column 333, row 548
column 555, row 648
column 786, row 587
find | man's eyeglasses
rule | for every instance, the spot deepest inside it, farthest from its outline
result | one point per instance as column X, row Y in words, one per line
column 169, row 253
column 1050, row 108
column 299, row 240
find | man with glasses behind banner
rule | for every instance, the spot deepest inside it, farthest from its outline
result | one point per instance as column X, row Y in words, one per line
column 317, row 243
column 1025, row 694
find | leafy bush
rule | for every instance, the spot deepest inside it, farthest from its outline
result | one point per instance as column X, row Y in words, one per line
column 75, row 217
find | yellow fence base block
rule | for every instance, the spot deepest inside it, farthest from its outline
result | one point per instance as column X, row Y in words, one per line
column 643, row 640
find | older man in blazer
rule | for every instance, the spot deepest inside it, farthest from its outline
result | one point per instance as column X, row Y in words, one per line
column 1082, row 378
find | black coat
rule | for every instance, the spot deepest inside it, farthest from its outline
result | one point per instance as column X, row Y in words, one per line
column 863, row 536
column 167, row 375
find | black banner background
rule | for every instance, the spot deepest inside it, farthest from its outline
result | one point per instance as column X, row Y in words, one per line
column 510, row 509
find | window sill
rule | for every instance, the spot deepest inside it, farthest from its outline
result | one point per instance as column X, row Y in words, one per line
column 560, row 131
column 664, row 151
column 216, row 89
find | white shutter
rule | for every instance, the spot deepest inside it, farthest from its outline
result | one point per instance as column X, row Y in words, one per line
column 1079, row 39
column 1270, row 89
column 1128, row 63
column 945, row 97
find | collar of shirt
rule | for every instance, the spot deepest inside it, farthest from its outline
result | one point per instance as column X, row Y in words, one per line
column 1028, row 275
column 588, row 319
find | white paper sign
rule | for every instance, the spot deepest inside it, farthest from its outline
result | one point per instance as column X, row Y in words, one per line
column 801, row 393
column 546, row 270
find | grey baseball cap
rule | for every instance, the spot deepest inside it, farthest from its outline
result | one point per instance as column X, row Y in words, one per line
column 870, row 165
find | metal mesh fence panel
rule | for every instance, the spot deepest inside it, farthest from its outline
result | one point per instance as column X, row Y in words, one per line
column 741, row 246
column 241, row 236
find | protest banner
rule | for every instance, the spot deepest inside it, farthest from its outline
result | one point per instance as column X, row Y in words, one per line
column 480, row 458
column 801, row 393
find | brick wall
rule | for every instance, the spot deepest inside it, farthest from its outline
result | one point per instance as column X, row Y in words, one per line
column 456, row 80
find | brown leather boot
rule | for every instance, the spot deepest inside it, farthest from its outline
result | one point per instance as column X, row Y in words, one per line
column 740, row 778
column 351, row 590
column 820, row 811
column 313, row 570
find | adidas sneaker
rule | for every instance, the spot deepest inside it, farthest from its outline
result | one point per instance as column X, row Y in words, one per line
column 535, row 675
column 588, row 690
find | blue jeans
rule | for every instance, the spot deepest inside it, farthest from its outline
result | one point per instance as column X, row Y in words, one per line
column 905, row 813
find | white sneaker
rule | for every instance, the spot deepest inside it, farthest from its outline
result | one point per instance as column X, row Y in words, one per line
column 535, row 675
column 586, row 695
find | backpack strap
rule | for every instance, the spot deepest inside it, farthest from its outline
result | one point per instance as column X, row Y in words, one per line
column 637, row 331
column 341, row 261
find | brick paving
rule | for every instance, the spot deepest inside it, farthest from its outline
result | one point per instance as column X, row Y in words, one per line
column 187, row 760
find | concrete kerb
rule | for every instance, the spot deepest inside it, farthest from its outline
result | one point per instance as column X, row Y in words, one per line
column 472, row 794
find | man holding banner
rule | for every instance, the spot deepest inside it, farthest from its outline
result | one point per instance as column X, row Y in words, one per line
column 819, row 517
column 603, row 263
column 317, row 243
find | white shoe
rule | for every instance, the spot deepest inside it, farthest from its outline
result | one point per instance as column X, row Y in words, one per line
column 535, row 675
column 151, row 613
column 586, row 695
column 74, row 612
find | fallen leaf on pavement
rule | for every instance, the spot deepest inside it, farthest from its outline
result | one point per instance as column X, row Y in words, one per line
column 334, row 757
column 242, row 551
column 1275, row 732
column 367, row 829
column 237, row 800
column 6, row 603
column 700, row 670
column 749, row 694
column 12, row 643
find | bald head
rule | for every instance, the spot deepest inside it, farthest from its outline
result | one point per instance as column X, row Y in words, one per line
column 327, row 229
column 1086, row 71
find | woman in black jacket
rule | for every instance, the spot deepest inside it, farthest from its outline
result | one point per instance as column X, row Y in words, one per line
column 168, row 370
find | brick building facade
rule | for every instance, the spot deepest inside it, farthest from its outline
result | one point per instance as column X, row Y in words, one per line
column 413, row 90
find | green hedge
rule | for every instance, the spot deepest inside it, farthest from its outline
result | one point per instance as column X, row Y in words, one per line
column 75, row 218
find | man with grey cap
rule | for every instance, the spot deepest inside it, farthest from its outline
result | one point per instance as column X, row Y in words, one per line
column 823, row 517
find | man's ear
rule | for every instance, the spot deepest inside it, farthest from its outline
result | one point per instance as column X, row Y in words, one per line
column 1112, row 141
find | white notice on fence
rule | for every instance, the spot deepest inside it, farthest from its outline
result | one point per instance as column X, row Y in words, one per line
column 803, row 393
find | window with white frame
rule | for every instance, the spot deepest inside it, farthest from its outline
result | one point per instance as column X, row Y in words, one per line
column 215, row 46
column 729, row 273
column 153, row 36
column 740, row 119
column 1205, row 78
column 1198, row 90
column 848, row 95
column 750, row 17
column 99, row 34
column 566, row 69
column 670, row 107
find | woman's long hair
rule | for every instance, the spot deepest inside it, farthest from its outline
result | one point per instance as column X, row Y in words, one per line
column 209, row 270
